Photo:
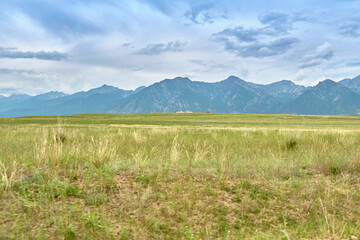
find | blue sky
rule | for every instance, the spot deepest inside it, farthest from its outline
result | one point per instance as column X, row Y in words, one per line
column 74, row 45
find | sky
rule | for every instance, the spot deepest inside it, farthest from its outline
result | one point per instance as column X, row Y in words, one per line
column 76, row 45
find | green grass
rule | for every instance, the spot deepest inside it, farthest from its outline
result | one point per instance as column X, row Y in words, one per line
column 180, row 176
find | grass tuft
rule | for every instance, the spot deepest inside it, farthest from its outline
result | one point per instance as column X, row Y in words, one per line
column 291, row 144
column 60, row 138
column 335, row 170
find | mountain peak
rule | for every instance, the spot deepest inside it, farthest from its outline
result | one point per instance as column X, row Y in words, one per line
column 17, row 96
column 352, row 83
column 106, row 86
column 326, row 86
column 50, row 95
column 177, row 80
column 282, row 83
column 329, row 88
column 284, row 90
column 287, row 82
column 103, row 89
column 233, row 79
column 327, row 82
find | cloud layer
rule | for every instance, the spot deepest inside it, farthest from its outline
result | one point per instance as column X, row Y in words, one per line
column 42, row 55
column 322, row 54
column 76, row 45
column 159, row 48
column 259, row 42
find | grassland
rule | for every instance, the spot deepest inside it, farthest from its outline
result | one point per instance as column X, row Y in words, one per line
column 180, row 176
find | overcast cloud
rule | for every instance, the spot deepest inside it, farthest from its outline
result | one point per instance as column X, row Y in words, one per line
column 77, row 45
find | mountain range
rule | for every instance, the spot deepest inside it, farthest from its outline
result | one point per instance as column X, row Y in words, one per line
column 232, row 95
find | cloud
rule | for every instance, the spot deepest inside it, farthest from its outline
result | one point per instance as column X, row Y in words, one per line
column 159, row 48
column 164, row 6
column 351, row 29
column 354, row 63
column 136, row 69
column 15, row 71
column 7, row 91
column 208, row 65
column 323, row 53
column 261, row 49
column 105, row 38
column 276, row 22
column 259, row 42
column 63, row 19
column 29, row 74
column 199, row 14
column 42, row 55
column 241, row 34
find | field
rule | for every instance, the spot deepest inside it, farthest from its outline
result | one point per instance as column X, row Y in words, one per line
column 180, row 176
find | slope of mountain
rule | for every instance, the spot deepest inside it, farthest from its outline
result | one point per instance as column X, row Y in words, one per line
column 328, row 97
column 40, row 100
column 93, row 101
column 352, row 83
column 170, row 95
column 48, row 96
column 284, row 90
column 25, row 101
column 12, row 101
column 139, row 89
column 165, row 96
column 234, row 95
column 53, row 103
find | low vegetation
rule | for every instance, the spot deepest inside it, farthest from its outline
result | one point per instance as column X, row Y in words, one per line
column 180, row 176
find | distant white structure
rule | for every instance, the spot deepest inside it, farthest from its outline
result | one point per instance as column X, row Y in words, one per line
column 187, row 111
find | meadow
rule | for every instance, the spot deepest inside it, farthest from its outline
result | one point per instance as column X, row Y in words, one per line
column 180, row 176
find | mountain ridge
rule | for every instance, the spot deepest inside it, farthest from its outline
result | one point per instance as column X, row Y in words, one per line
column 231, row 95
column 327, row 97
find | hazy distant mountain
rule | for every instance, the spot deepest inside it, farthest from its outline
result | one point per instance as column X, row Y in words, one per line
column 352, row 83
column 232, row 95
column 49, row 96
column 12, row 101
column 165, row 96
column 40, row 100
column 328, row 97
column 284, row 90
column 23, row 101
column 54, row 103
column 94, row 101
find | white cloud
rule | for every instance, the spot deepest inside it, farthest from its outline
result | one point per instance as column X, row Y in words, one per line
column 322, row 54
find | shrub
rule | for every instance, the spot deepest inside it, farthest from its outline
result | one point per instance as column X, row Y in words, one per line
column 291, row 144
column 60, row 138
column 335, row 170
